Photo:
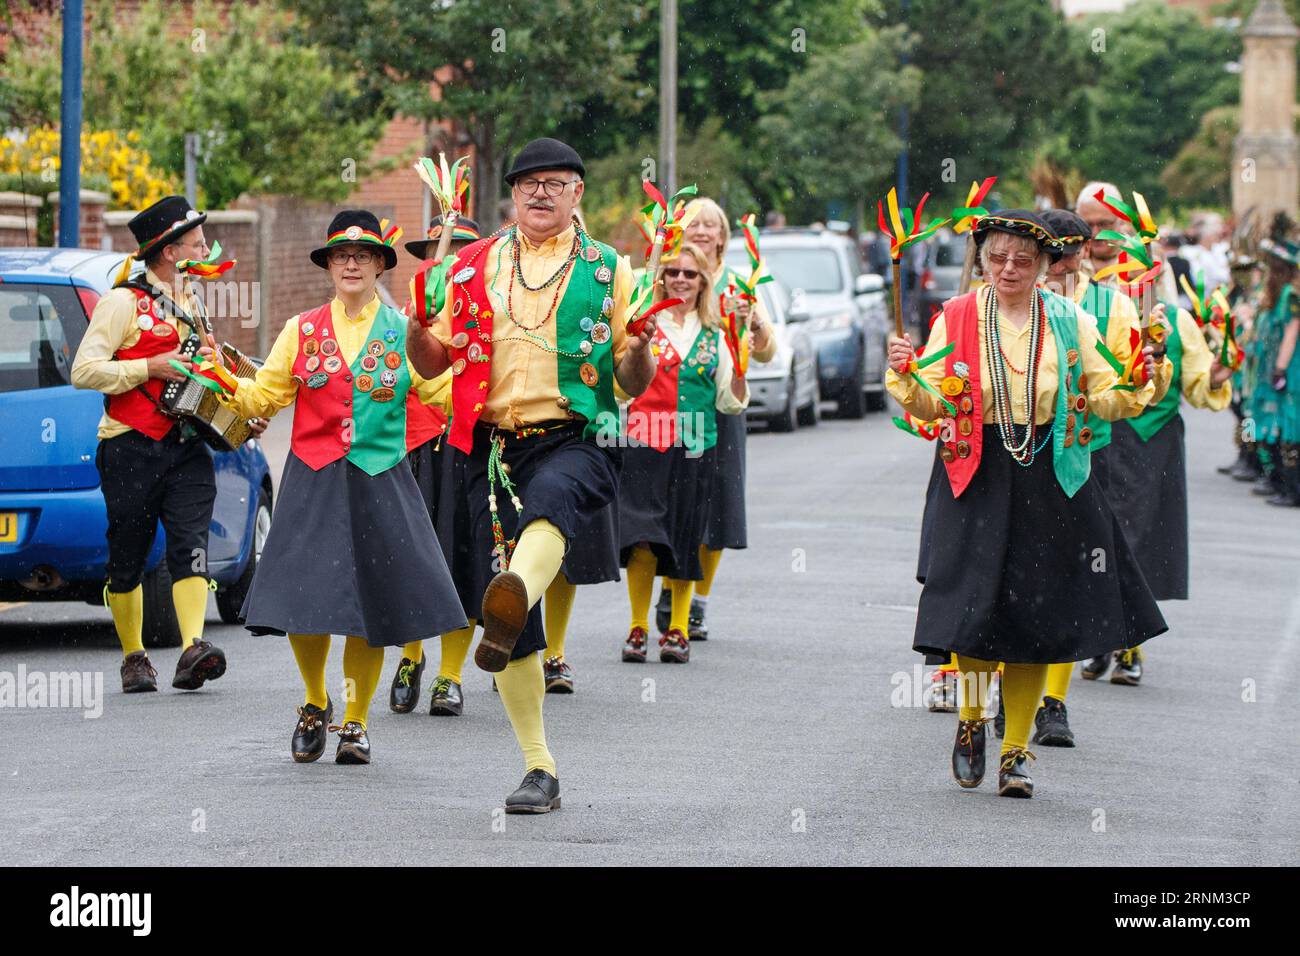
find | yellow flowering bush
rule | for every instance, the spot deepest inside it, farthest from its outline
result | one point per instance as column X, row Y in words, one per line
column 106, row 155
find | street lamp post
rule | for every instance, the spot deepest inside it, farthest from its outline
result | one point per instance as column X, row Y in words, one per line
column 70, row 129
column 667, row 97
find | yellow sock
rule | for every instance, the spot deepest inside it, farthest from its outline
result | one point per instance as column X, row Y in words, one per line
column 681, row 613
column 190, row 595
column 951, row 665
column 522, row 692
column 455, row 647
column 641, row 567
column 1022, row 690
column 311, row 651
column 974, row 678
column 710, row 559
column 1058, row 681
column 556, row 610
column 128, row 617
column 538, row 557
column 413, row 652
column 362, row 666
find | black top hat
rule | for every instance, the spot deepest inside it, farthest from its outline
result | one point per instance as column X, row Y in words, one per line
column 545, row 153
column 1019, row 222
column 465, row 230
column 1070, row 228
column 358, row 226
column 163, row 223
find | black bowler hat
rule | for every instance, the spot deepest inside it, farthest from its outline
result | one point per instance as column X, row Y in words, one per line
column 545, row 153
column 1070, row 229
column 465, row 230
column 359, row 226
column 163, row 223
column 1019, row 222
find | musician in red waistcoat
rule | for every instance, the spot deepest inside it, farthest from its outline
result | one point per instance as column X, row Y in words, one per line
column 152, row 466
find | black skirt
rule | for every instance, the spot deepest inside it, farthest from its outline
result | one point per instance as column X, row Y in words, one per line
column 439, row 471
column 351, row 553
column 662, row 502
column 1149, row 495
column 1018, row 572
column 727, row 524
column 592, row 557
column 559, row 476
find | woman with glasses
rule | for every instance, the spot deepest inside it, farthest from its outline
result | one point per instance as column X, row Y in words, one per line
column 1027, row 564
column 351, row 550
column 672, row 430
column 726, row 526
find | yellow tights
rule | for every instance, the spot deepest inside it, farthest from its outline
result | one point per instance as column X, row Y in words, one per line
column 1022, row 690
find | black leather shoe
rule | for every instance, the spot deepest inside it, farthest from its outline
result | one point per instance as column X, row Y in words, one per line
column 1096, row 667
column 558, row 675
column 1283, row 500
column 968, row 752
column 447, row 700
column 138, row 674
column 1013, row 774
column 664, row 609
column 1000, row 721
column 309, row 733
column 539, row 793
column 697, row 630
column 405, row 692
column 1128, row 667
column 1053, row 727
column 354, row 745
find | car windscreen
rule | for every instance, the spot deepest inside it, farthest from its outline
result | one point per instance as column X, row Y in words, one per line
column 811, row 269
column 40, row 329
column 949, row 253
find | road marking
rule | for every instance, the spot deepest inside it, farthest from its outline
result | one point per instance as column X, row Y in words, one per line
column 909, row 608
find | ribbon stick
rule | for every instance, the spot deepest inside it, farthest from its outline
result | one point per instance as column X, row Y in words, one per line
column 210, row 376
column 208, row 268
column 904, row 229
column 1231, row 354
column 758, row 273
column 964, row 218
column 637, row 324
column 450, row 186
column 663, row 223
column 916, row 426
column 1127, row 377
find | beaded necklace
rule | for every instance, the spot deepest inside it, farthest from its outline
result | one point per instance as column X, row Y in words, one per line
column 1021, row 447
column 516, row 245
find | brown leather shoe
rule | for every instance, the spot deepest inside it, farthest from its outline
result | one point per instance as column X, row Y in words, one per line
column 199, row 662
column 505, row 611
column 138, row 674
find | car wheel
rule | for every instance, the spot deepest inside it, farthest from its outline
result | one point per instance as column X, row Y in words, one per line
column 788, row 419
column 811, row 413
column 230, row 601
column 853, row 401
column 876, row 401
column 160, row 626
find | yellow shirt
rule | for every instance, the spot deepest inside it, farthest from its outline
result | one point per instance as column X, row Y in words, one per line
column 1102, row 400
column 275, row 388
column 113, row 327
column 1197, row 359
column 524, row 386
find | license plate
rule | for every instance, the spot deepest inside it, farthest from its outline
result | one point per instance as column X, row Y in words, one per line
column 8, row 526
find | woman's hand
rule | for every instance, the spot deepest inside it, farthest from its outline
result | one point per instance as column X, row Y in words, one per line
column 901, row 353
column 1149, row 363
column 1219, row 373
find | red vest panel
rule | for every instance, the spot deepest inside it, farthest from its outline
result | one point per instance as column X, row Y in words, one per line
column 136, row 407
column 322, row 417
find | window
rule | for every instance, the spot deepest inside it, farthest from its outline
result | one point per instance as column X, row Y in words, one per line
column 40, row 329
column 811, row 269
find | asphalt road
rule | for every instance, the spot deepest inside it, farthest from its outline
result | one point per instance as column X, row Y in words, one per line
column 779, row 743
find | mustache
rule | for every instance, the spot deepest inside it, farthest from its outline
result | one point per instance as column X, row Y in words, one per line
column 540, row 204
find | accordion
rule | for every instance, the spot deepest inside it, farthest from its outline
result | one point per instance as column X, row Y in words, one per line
column 221, row 428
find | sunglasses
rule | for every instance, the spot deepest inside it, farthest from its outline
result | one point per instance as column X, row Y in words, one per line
column 683, row 273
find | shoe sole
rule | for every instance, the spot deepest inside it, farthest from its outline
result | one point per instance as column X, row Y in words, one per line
column 210, row 665
column 139, row 688
column 299, row 757
column 505, row 612
column 559, row 686
column 400, row 710
column 698, row 637
column 1126, row 681
column 520, row 808
column 1054, row 740
column 442, row 710
column 671, row 657
column 349, row 754
column 943, row 709
column 631, row 657
column 967, row 784
column 1019, row 789
column 1096, row 675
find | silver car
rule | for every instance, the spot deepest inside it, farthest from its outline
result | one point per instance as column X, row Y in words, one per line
column 784, row 392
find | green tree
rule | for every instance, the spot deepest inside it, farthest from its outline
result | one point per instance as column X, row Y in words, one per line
column 274, row 117
column 506, row 72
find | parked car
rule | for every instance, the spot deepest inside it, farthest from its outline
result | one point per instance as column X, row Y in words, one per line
column 52, row 515
column 784, row 392
column 941, row 277
column 848, row 317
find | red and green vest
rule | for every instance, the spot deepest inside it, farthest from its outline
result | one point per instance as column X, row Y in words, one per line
column 1157, row 416
column 138, row 408
column 1098, row 301
column 680, row 405
column 962, row 453
column 583, row 336
column 357, row 412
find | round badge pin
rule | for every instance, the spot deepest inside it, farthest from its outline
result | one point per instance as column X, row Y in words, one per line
column 963, row 449
column 161, row 329
column 589, row 374
column 603, row 274
column 308, row 328
column 329, row 347
column 333, row 364
column 964, row 426
column 584, row 347
column 475, row 352
column 390, row 336
column 463, row 275
column 369, row 363
column 312, row 363
column 607, row 307
column 393, row 359
column 600, row 333
column 946, row 454
column 318, row 380
column 365, row 383
column 1085, row 435
column 960, row 369
column 966, row 405
column 354, row 232
column 460, row 340
column 145, row 322
column 586, row 324
column 382, row 395
column 375, row 348
column 951, row 386
column 310, row 347
column 458, row 366
column 591, row 253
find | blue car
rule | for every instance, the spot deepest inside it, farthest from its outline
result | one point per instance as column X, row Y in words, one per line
column 52, row 516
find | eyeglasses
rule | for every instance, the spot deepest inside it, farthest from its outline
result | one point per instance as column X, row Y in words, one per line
column 998, row 260
column 553, row 187
column 340, row 257
column 684, row 273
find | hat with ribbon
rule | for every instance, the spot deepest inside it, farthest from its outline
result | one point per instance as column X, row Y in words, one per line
column 359, row 226
column 1019, row 222
column 465, row 230
column 1070, row 228
column 163, row 223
